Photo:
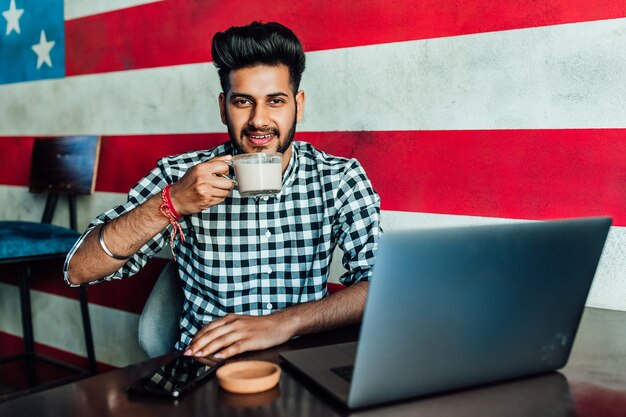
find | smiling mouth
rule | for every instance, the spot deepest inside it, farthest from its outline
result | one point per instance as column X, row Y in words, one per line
column 260, row 139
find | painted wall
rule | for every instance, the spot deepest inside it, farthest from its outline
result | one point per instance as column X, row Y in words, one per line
column 462, row 112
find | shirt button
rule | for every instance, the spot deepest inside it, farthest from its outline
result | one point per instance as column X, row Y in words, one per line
column 267, row 269
column 268, row 234
column 266, row 197
column 269, row 306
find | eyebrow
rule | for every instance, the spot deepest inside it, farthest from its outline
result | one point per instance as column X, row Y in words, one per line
column 244, row 95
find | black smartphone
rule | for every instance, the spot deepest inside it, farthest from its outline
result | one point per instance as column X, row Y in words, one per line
column 176, row 377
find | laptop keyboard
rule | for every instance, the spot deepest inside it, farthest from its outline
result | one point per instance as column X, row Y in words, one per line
column 344, row 372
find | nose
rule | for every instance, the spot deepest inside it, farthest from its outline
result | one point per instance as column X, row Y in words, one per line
column 259, row 117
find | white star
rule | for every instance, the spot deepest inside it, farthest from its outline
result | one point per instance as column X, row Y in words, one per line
column 42, row 49
column 12, row 17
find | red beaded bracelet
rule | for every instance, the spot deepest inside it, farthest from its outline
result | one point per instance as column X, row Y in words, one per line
column 168, row 210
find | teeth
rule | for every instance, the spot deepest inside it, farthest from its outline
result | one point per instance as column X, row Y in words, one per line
column 260, row 137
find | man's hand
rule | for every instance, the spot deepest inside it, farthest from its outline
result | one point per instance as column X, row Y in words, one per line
column 234, row 334
column 202, row 186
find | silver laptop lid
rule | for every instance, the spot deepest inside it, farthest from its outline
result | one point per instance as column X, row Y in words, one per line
column 451, row 308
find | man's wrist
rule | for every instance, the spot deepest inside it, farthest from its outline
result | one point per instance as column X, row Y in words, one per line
column 175, row 201
column 290, row 321
column 106, row 249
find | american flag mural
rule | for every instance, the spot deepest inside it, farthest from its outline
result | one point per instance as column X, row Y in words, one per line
column 462, row 112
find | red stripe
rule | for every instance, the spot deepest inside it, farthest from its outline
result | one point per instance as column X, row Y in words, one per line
column 180, row 32
column 12, row 345
column 15, row 160
column 128, row 294
column 115, row 152
column 525, row 174
column 123, row 151
column 528, row 174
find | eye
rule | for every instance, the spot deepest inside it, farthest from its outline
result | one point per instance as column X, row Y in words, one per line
column 242, row 102
column 276, row 101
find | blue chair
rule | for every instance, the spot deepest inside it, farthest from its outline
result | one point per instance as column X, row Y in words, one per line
column 60, row 166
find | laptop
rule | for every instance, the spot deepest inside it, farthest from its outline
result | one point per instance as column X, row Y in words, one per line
column 460, row 307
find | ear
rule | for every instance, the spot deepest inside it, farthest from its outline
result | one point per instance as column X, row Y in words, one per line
column 222, row 103
column 300, row 102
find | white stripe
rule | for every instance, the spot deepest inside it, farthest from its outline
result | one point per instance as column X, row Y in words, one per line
column 81, row 8
column 157, row 100
column 566, row 76
column 57, row 322
column 19, row 204
column 608, row 291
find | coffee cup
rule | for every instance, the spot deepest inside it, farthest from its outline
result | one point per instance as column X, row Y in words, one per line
column 258, row 174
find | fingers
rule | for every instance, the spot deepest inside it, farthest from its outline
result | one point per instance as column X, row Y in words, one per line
column 201, row 187
column 220, row 164
column 235, row 333
column 232, row 350
column 232, row 335
column 215, row 172
column 215, row 324
column 226, row 158
column 214, row 329
column 221, row 183
column 212, row 343
column 215, row 336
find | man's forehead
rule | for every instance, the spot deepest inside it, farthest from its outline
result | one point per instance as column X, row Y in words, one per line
column 260, row 80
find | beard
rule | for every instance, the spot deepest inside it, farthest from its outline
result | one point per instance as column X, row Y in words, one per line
column 282, row 146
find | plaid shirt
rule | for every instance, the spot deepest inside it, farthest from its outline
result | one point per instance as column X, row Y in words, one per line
column 257, row 255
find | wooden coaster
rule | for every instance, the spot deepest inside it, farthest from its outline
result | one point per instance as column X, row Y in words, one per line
column 247, row 377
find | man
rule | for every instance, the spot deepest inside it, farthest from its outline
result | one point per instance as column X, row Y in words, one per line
column 253, row 270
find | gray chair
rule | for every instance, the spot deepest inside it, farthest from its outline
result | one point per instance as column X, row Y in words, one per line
column 159, row 321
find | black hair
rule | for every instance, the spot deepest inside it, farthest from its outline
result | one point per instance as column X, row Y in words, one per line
column 258, row 43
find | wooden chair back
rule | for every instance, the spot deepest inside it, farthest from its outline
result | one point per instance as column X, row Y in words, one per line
column 65, row 165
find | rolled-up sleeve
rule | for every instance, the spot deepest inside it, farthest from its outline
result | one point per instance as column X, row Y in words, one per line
column 359, row 224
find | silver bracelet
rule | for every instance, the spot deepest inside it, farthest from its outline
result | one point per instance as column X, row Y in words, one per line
column 107, row 250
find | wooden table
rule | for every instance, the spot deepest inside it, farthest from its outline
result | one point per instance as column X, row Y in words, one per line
column 592, row 384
